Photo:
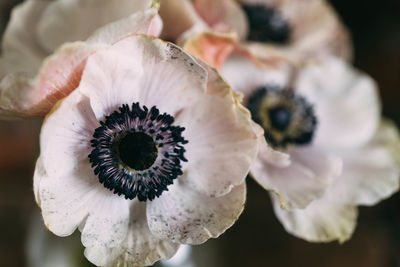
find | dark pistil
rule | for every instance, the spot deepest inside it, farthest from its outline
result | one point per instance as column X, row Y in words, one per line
column 137, row 150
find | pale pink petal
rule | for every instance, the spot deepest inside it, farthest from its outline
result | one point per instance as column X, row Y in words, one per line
column 211, row 47
column 370, row 173
column 178, row 17
column 185, row 216
column 346, row 103
column 223, row 16
column 306, row 179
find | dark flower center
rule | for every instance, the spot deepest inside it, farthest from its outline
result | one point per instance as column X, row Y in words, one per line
column 280, row 117
column 286, row 117
column 137, row 152
column 266, row 24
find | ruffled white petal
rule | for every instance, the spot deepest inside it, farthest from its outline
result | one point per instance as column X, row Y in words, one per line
column 185, row 216
column 75, row 20
column 66, row 188
column 324, row 220
column 139, row 248
column 145, row 70
column 370, row 173
column 346, row 103
column 306, row 179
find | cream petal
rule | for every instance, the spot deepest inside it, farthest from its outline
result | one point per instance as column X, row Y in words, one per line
column 185, row 216
column 20, row 49
column 306, row 179
column 346, row 103
column 370, row 173
column 223, row 15
column 139, row 248
column 324, row 220
column 75, row 20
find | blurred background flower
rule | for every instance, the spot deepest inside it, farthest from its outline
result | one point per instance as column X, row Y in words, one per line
column 257, row 239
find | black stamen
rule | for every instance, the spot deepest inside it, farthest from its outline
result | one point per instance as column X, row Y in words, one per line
column 287, row 118
column 130, row 148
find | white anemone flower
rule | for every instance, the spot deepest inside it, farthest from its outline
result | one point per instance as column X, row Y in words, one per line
column 37, row 28
column 340, row 154
column 149, row 152
column 263, row 30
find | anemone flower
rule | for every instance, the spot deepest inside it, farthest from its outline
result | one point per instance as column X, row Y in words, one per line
column 263, row 30
column 149, row 152
column 340, row 154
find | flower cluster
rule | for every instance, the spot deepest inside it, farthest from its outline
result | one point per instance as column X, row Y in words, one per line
column 146, row 144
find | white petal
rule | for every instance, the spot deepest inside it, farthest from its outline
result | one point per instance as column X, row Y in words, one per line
column 324, row 220
column 186, row 216
column 223, row 142
column 370, row 173
column 145, row 70
column 246, row 77
column 346, row 103
column 139, row 247
column 75, row 20
column 67, row 190
column 66, row 134
column 306, row 179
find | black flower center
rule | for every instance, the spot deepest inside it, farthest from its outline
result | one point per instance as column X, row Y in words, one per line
column 286, row 117
column 280, row 117
column 266, row 24
column 137, row 152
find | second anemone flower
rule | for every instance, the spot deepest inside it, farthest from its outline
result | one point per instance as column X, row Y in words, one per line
column 325, row 117
column 149, row 152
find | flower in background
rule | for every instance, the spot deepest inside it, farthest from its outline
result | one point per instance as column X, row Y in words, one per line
column 325, row 118
column 263, row 30
column 149, row 152
column 32, row 79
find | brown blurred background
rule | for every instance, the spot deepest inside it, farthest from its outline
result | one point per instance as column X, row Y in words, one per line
column 257, row 239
